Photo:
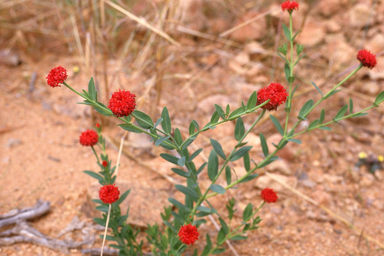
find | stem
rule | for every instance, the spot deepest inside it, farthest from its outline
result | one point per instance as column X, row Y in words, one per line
column 291, row 66
column 204, row 197
column 250, row 111
column 105, row 231
column 94, row 151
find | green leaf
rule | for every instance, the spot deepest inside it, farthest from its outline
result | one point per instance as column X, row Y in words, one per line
column 215, row 117
column 227, row 109
column 178, row 137
column 123, row 197
column 247, row 214
column 92, row 90
column 228, row 175
column 161, row 140
column 239, row 129
column 181, row 161
column 102, row 208
column 250, row 177
column 224, row 226
column 341, row 112
column 179, row 205
column 166, row 123
column 240, row 153
column 379, row 98
column 277, row 124
column 252, row 101
column 287, row 32
column 143, row 119
column 213, row 165
column 218, row 251
column 291, row 79
column 220, row 237
column 220, row 111
column 287, row 71
column 169, row 158
column 195, row 154
column 302, row 56
column 95, row 175
column 217, row 147
column 100, row 221
column 360, row 114
column 236, row 112
column 350, row 106
column 286, row 61
column 274, row 158
column 191, row 128
column 238, row 238
column 217, row 188
column 130, row 127
column 331, row 94
column 313, row 124
column 305, row 109
column 322, row 115
column 295, row 141
column 326, row 128
column 102, row 111
column 264, row 145
column 247, row 162
column 181, row 172
column 317, row 88
column 208, row 247
column 293, row 38
column 201, row 168
column 188, row 192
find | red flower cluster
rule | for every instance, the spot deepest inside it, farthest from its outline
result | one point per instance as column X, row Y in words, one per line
column 269, row 195
column 105, row 163
column 109, row 194
column 97, row 125
column 89, row 138
column 56, row 76
column 367, row 59
column 122, row 103
column 290, row 6
column 275, row 92
column 188, row 234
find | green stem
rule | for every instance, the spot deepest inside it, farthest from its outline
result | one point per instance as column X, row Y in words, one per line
column 204, row 197
column 291, row 66
column 247, row 112
column 94, row 151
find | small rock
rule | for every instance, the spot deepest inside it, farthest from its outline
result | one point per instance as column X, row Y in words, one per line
column 279, row 166
column 254, row 47
column 376, row 44
column 377, row 72
column 267, row 182
column 321, row 197
column 366, row 180
column 242, row 58
column 332, row 26
column 313, row 33
column 139, row 140
column 13, row 142
column 371, row 88
column 328, row 7
column 359, row 15
column 379, row 175
column 255, row 30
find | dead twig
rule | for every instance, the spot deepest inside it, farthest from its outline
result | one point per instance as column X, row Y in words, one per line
column 40, row 208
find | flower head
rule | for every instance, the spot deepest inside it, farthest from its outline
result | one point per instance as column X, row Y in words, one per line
column 56, row 76
column 367, row 59
column 188, row 234
column 105, row 163
column 97, row 125
column 122, row 103
column 109, row 194
column 269, row 195
column 290, row 6
column 89, row 138
column 275, row 92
